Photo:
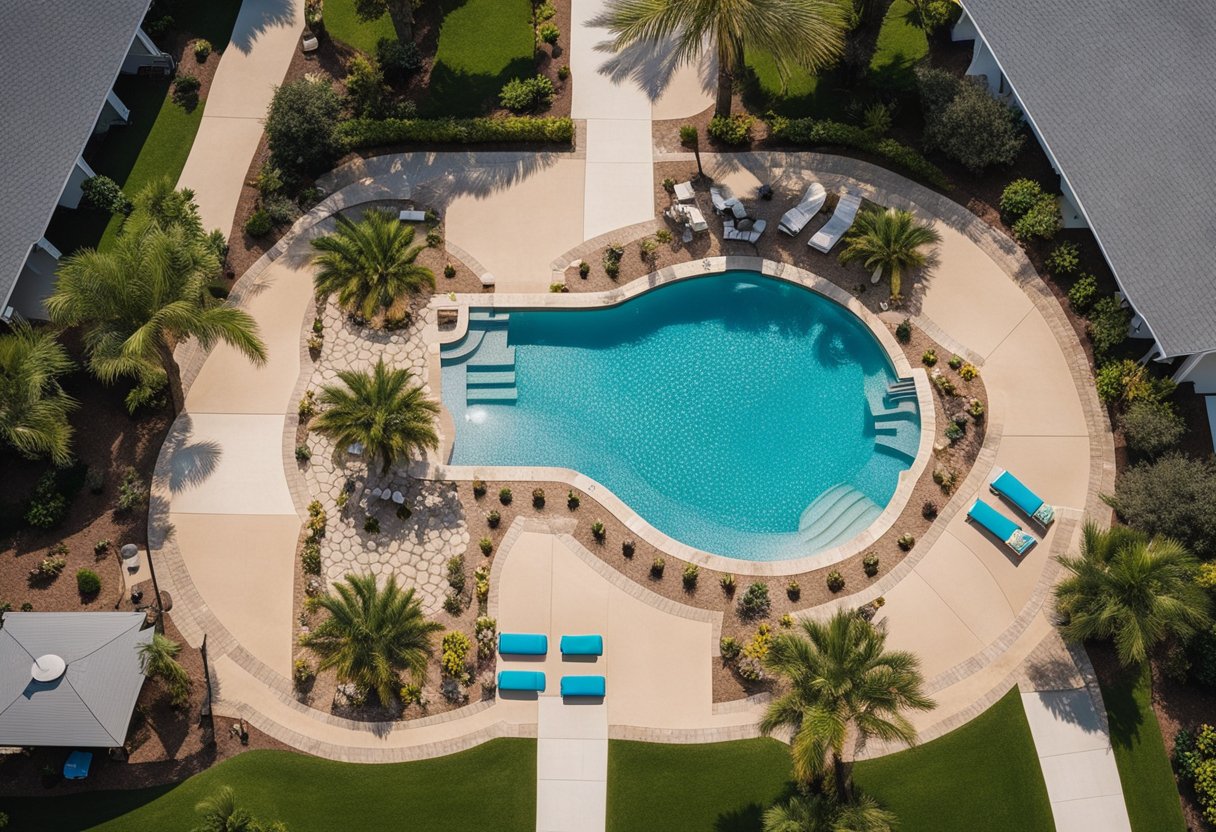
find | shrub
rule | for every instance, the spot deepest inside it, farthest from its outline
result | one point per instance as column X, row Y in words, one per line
column 101, row 547
column 486, row 545
column 1152, row 427
column 1126, row 382
column 371, row 524
column 310, row 557
column 1020, row 196
column 967, row 123
column 1201, row 652
column 572, row 500
column 185, row 91
column 808, row 131
column 1082, row 293
column 104, row 194
column 280, row 210
column 301, row 127
column 730, row 648
column 955, row 362
column 307, row 406
column 835, row 581
column 1173, row 496
column 751, row 663
column 132, row 492
column 485, row 631
column 870, row 564
column 361, row 133
column 548, row 33
column 95, row 480
column 928, row 510
column 454, row 656
column 688, row 135
column 303, row 454
column 976, row 408
column 520, row 96
column 1065, row 259
column 946, row 478
column 88, row 582
column 452, row 604
column 259, row 223
column 302, row 673
column 399, row 59
column 598, row 531
column 727, row 583
column 563, row 72
column 691, row 572
column 493, row 518
column 968, row 372
column 202, row 48
column 628, row 547
column 929, row 358
column 647, row 249
column 657, row 566
column 449, row 271
column 755, row 602
column 663, row 236
column 433, row 238
column 315, row 525
column 504, row 496
column 669, row 185
column 733, row 130
column 47, row 505
column 479, row 489
column 1108, row 322
column 787, row 621
column 584, row 269
column 906, row 542
column 538, row 498
column 903, row 332
column 876, row 120
column 793, row 590
column 545, row 11
column 1042, row 220
column 1195, row 759
column 612, row 260
column 481, row 582
column 48, row 568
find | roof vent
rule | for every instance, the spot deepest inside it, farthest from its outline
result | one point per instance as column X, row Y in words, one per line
column 48, row 668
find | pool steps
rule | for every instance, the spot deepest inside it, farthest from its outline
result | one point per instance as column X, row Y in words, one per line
column 488, row 358
column 836, row 515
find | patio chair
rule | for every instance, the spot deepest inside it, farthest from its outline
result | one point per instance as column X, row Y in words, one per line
column 795, row 219
column 842, row 220
column 588, row 645
column 719, row 201
column 730, row 231
column 1009, row 532
column 687, row 215
column 582, row 686
column 521, row 680
column 523, row 644
column 1015, row 491
column 684, row 192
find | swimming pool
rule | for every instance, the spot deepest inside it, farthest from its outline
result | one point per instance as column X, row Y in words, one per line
column 740, row 414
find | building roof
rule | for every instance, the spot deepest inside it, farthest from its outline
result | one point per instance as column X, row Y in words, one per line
column 1121, row 93
column 90, row 704
column 63, row 57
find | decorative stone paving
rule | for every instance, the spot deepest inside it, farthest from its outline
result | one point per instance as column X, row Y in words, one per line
column 417, row 548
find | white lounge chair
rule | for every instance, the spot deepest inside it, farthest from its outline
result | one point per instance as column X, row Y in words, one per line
column 842, row 220
column 412, row 216
column 719, row 201
column 684, row 192
column 731, row 232
column 795, row 219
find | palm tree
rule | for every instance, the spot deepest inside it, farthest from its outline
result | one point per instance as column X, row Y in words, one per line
column 1136, row 591
column 843, row 684
column 33, row 407
column 158, row 658
column 890, row 239
column 221, row 814
column 821, row 813
column 798, row 34
column 369, row 264
column 142, row 296
column 381, row 411
column 372, row 634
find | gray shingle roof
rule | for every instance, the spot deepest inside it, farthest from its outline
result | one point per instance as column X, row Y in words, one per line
column 62, row 57
column 90, row 704
column 1121, row 92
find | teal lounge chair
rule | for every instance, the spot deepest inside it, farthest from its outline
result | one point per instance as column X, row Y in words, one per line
column 1008, row 531
column 582, row 686
column 1012, row 489
column 523, row 644
column 525, row 680
column 582, row 645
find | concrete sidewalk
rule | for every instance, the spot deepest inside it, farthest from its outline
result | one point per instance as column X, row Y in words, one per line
column 571, row 766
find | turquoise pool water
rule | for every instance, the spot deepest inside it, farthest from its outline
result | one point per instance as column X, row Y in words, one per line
column 739, row 414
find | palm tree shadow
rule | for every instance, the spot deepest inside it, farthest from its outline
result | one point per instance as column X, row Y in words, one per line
column 652, row 66
column 744, row 819
column 262, row 16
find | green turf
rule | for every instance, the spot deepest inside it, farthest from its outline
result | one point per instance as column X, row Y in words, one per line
column 901, row 44
column 492, row 786
column 1148, row 781
column 343, row 24
column 984, row 775
column 482, row 45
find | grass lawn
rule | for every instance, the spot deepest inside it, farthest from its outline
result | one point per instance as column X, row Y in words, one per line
column 492, row 786
column 901, row 43
column 1148, row 780
column 343, row 24
column 984, row 776
column 482, row 45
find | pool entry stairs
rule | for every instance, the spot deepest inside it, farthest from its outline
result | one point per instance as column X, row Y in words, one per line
column 490, row 372
column 835, row 516
column 895, row 417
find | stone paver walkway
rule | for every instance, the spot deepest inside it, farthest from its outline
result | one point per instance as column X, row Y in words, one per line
column 266, row 34
column 571, row 765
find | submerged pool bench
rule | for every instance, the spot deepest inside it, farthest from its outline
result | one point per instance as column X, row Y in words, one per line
column 525, row 680
column 582, row 686
column 523, row 644
column 589, row 645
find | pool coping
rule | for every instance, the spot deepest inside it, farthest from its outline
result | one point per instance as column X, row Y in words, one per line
column 461, row 303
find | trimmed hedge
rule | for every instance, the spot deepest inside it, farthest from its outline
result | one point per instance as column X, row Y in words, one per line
column 827, row 132
column 363, row 132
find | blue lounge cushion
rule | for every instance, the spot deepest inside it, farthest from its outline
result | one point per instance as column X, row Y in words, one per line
column 523, row 644
column 77, row 765
column 582, row 686
column 521, row 680
column 1014, row 490
column 589, row 645
column 1001, row 526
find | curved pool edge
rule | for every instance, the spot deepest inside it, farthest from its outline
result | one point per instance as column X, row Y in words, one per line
column 442, row 471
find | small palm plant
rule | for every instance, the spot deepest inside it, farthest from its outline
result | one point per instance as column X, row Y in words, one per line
column 369, row 264
column 381, row 411
column 372, row 634
column 33, row 407
column 821, row 813
column 220, row 813
column 159, row 661
column 892, row 240
column 843, row 684
column 1131, row 589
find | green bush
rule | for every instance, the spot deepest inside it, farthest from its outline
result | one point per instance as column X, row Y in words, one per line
column 870, row 564
column 202, row 48
column 132, row 492
column 755, row 603
column 301, row 127
column 1201, row 651
column 545, row 11
column 1042, row 220
column 486, row 545
column 835, row 581
column 966, row 123
column 362, row 133
column 505, row 496
column 1107, row 327
column 548, row 33
column 598, row 531
column 1195, row 759
column 1065, row 259
column 809, row 131
column 657, row 567
column 1152, row 427
column 1173, row 496
column 493, row 518
column 691, row 573
column 365, row 88
column 538, row 498
column 47, row 505
column 104, row 194
column 688, row 135
column 259, row 223
column 280, row 210
column 1082, row 293
column 399, row 60
column 903, row 332
column 521, row 96
column 310, row 557
column 185, row 91
column 732, row 130
column 1020, row 196
column 88, row 582
column 628, row 547
column 730, row 648
column 455, row 654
